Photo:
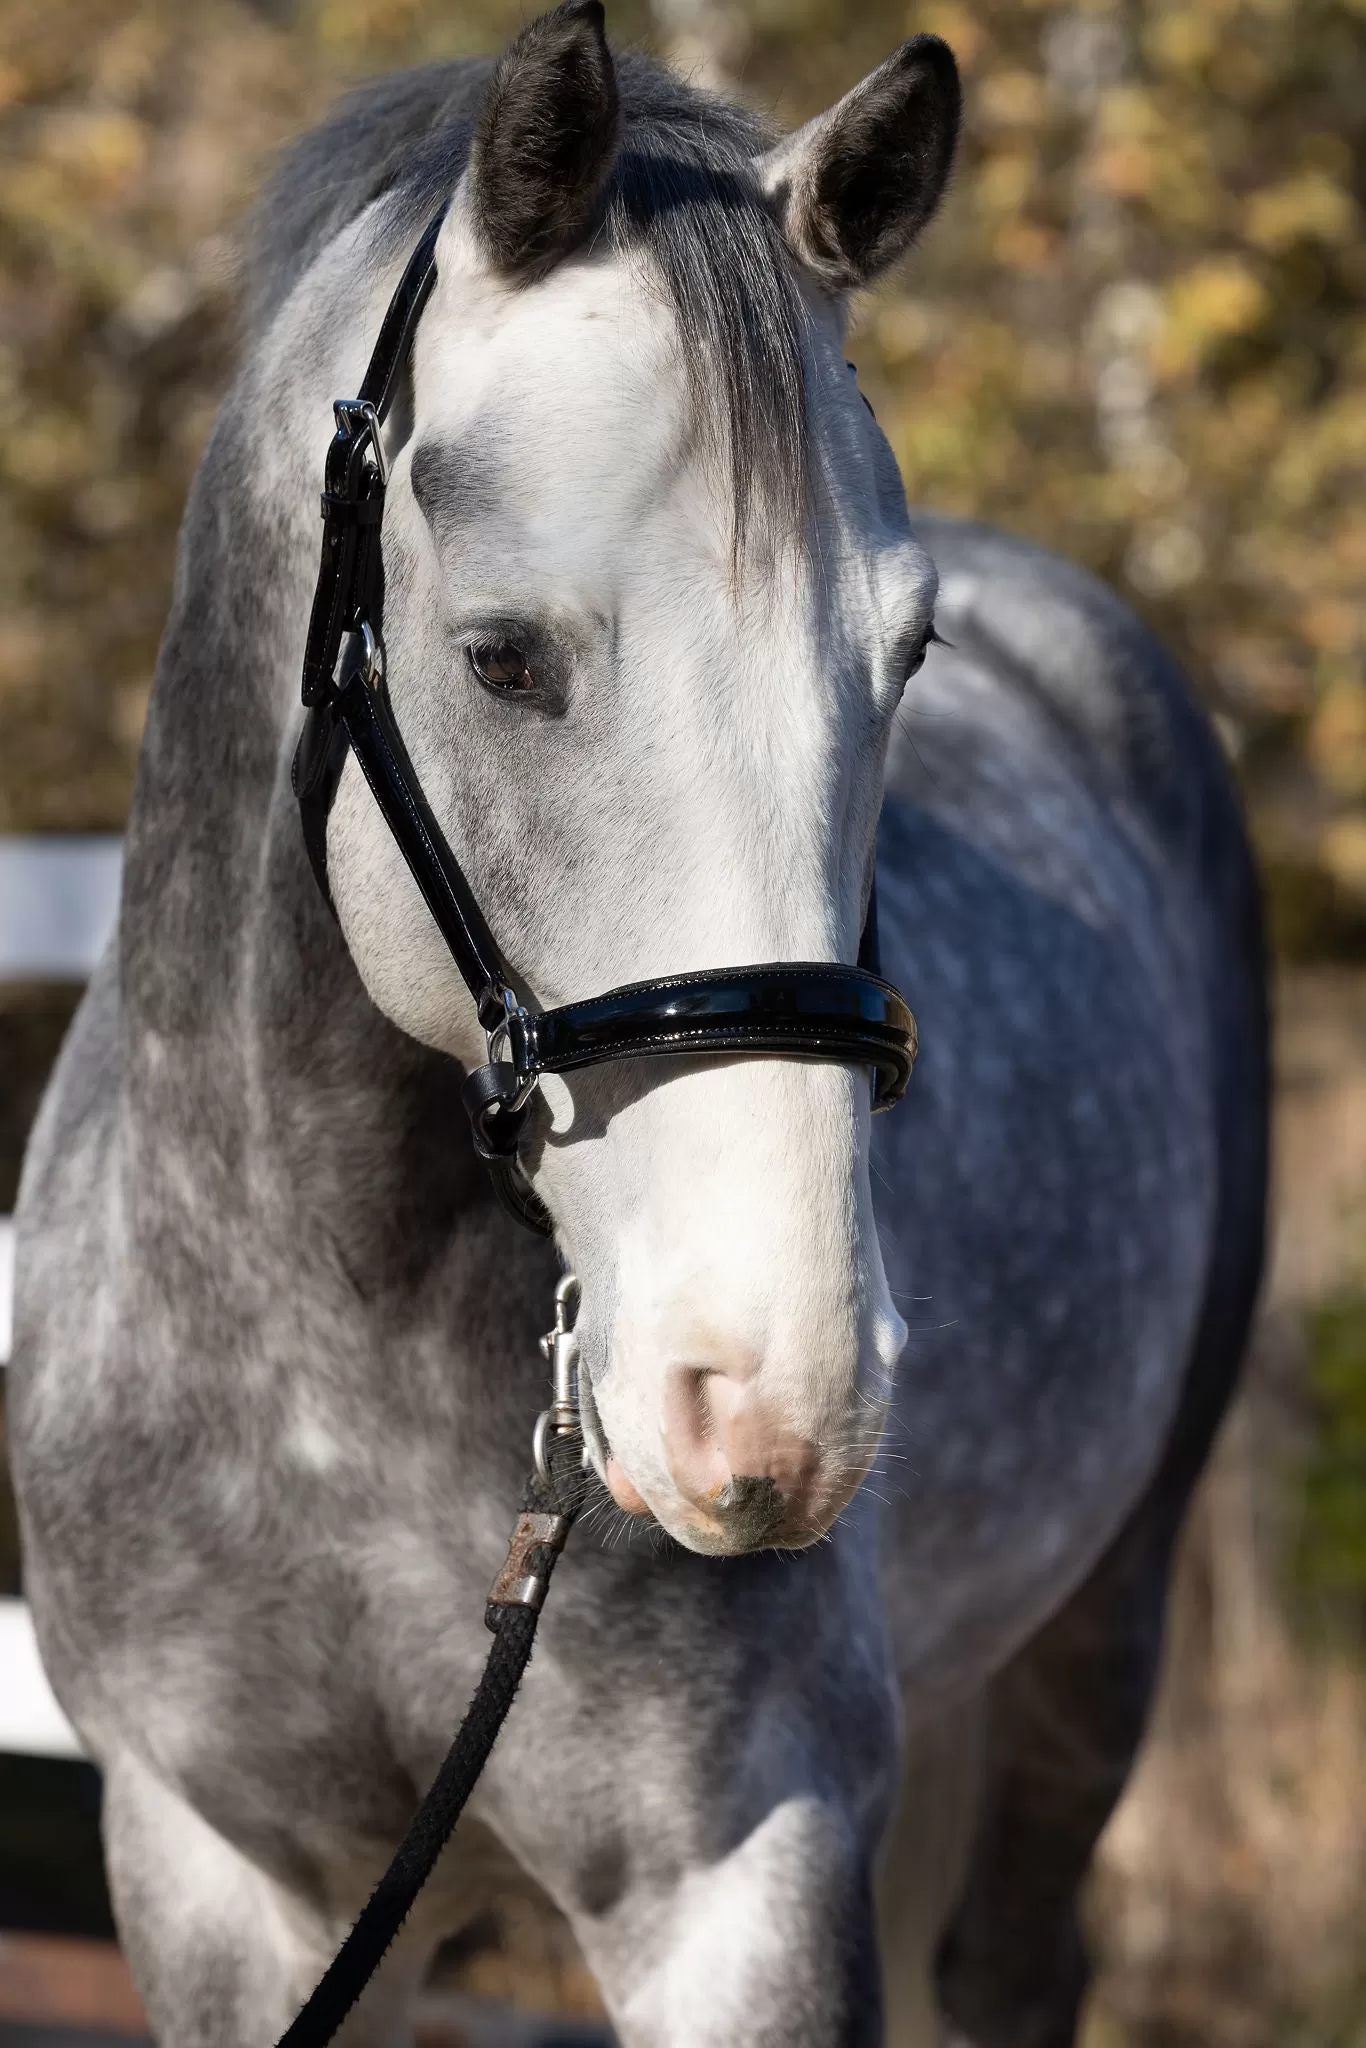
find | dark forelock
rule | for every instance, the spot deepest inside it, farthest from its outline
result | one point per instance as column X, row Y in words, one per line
column 682, row 190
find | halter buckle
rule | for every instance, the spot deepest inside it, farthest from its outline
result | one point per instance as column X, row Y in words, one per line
column 506, row 1040
column 346, row 412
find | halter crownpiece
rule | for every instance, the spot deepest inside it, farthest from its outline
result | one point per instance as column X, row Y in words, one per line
column 805, row 1010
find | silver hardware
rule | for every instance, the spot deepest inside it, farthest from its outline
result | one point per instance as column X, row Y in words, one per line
column 518, row 1584
column 362, row 409
column 497, row 1044
column 540, row 1446
column 372, row 655
column 496, row 1039
column 527, row 1592
column 560, row 1349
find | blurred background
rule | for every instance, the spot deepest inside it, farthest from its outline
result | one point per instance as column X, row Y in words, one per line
column 1137, row 332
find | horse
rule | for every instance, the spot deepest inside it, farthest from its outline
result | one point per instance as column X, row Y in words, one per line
column 892, row 1422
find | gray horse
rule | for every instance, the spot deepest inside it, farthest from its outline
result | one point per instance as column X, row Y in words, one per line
column 660, row 644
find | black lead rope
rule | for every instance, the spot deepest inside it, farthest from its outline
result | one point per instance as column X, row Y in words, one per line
column 393, row 1898
column 537, row 1542
column 551, row 1502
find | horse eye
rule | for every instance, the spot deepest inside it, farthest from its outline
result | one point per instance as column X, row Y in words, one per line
column 917, row 661
column 501, row 665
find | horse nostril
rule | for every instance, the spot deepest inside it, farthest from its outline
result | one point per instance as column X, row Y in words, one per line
column 751, row 1510
column 624, row 1491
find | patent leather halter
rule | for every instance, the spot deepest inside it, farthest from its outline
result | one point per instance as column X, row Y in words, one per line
column 805, row 1010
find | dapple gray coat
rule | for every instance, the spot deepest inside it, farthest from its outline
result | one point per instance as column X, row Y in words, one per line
column 276, row 1369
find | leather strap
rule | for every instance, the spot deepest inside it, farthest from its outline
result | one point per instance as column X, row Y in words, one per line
column 319, row 759
column 804, row 1011
column 349, row 583
column 378, row 746
column 395, row 337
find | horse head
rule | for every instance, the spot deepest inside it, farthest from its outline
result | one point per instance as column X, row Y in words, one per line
column 651, row 600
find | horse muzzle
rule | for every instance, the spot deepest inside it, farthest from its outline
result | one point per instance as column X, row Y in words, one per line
column 730, row 1469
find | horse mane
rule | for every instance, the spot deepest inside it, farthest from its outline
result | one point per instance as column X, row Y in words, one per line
column 682, row 189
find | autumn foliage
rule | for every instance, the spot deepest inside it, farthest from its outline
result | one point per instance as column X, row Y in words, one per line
column 1138, row 332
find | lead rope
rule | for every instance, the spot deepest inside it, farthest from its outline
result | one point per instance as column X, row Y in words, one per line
column 551, row 1502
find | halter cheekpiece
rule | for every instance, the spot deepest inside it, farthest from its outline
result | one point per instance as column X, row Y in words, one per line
column 806, row 1010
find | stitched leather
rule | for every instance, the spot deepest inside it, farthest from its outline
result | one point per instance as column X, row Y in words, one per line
column 797, row 1010
column 404, row 310
column 378, row 746
column 353, row 504
column 349, row 575
column 314, row 774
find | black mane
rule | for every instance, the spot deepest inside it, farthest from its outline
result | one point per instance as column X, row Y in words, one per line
column 681, row 189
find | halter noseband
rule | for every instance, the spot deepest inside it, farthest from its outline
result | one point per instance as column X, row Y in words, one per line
column 806, row 1010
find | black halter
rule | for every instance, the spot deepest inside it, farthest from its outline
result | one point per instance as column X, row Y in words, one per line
column 794, row 1010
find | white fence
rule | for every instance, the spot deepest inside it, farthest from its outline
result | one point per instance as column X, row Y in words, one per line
column 58, row 901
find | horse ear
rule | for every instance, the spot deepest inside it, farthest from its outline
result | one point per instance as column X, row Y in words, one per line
column 545, row 140
column 854, row 187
